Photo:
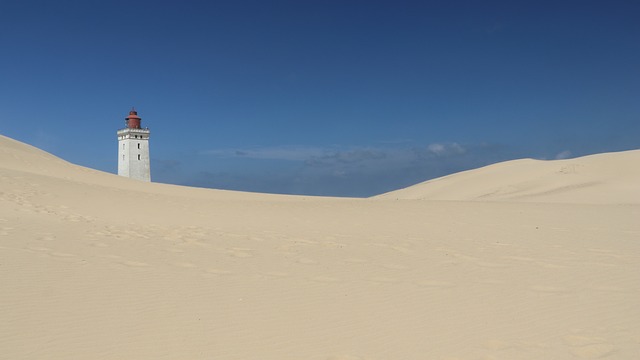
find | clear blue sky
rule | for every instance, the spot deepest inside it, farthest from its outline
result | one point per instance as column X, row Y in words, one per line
column 346, row 98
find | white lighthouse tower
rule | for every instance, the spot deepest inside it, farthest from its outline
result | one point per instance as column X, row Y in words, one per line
column 133, row 149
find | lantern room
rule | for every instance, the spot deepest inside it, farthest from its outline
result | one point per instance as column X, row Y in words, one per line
column 133, row 120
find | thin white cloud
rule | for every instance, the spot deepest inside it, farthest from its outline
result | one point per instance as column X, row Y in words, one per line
column 445, row 149
column 348, row 156
column 291, row 153
column 563, row 155
column 339, row 155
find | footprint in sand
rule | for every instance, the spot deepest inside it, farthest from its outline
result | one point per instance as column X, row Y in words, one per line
column 276, row 273
column 519, row 258
column 61, row 254
column 551, row 266
column 346, row 357
column 186, row 265
column 548, row 289
column 47, row 237
column 130, row 263
column 307, row 261
column 214, row 271
column 397, row 248
column 384, row 279
column 589, row 347
column 495, row 344
column 490, row 264
column 78, row 218
column 325, row 279
column 436, row 284
column 39, row 248
column 610, row 289
column 239, row 252
column 607, row 253
column 333, row 245
column 395, row 267
column 303, row 242
column 355, row 260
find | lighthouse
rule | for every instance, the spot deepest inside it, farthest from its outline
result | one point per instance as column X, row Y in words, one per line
column 133, row 149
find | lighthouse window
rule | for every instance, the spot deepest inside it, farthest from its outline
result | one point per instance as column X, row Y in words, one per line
column 122, row 157
column 138, row 156
column 138, row 145
column 122, row 146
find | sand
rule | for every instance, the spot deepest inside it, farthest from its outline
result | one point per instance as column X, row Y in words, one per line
column 96, row 266
column 611, row 178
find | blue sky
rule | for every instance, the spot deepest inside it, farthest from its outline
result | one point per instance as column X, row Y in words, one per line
column 344, row 98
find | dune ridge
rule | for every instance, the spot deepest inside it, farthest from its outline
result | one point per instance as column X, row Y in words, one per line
column 599, row 179
column 96, row 266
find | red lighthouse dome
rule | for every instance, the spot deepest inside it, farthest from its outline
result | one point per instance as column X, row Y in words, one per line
column 133, row 120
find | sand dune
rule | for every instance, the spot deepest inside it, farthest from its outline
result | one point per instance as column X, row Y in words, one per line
column 96, row 266
column 610, row 178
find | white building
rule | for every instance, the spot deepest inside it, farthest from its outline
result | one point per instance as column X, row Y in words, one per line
column 133, row 149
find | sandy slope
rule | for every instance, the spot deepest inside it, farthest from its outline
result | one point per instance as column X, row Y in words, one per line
column 600, row 179
column 94, row 266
